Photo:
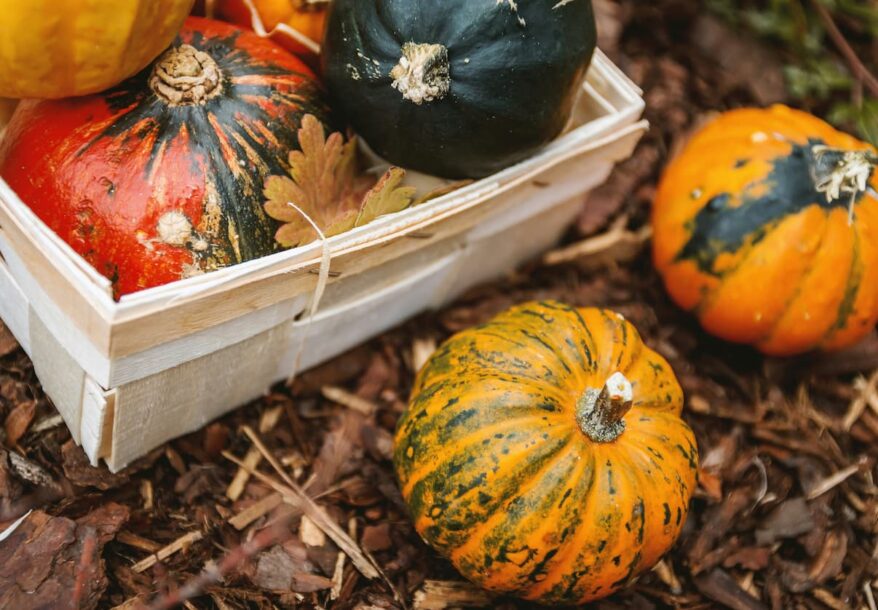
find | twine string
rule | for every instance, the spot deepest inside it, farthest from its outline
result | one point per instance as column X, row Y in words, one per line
column 322, row 281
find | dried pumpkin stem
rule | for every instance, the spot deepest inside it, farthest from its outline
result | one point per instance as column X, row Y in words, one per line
column 842, row 172
column 600, row 413
column 185, row 76
column 423, row 73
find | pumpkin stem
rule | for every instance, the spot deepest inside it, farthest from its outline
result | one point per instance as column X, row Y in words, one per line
column 842, row 172
column 600, row 413
column 185, row 76
column 423, row 73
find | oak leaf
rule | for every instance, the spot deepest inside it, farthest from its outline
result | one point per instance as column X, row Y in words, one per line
column 325, row 184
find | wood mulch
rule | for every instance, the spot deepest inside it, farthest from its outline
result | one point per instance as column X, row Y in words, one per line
column 785, row 516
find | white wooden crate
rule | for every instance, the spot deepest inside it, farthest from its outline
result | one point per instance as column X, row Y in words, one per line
column 130, row 375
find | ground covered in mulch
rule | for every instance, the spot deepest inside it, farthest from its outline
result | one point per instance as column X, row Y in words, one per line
column 786, row 514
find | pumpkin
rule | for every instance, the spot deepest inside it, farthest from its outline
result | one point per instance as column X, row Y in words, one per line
column 766, row 227
column 51, row 49
column 7, row 107
column 543, row 453
column 306, row 19
column 458, row 89
column 162, row 177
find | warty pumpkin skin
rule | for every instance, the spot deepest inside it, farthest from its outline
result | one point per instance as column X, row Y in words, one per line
column 61, row 48
column 162, row 177
column 532, row 481
column 457, row 88
column 748, row 236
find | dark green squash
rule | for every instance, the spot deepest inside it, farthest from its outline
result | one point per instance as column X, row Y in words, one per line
column 457, row 88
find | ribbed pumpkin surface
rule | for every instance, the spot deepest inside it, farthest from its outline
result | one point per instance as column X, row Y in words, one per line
column 500, row 478
column 745, row 240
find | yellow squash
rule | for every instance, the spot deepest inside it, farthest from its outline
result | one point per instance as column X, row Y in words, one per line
column 62, row 48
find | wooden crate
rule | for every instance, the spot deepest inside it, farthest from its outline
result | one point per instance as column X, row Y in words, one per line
column 130, row 375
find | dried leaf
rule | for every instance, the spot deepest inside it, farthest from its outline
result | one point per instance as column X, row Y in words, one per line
column 386, row 197
column 324, row 184
column 19, row 420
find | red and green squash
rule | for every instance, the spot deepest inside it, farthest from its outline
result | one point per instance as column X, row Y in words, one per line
column 766, row 227
column 543, row 453
column 162, row 177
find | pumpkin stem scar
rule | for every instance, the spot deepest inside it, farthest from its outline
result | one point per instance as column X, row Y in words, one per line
column 423, row 73
column 600, row 413
column 840, row 172
column 185, row 76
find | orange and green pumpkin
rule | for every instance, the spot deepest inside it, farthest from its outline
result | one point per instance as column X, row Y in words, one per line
column 766, row 227
column 543, row 453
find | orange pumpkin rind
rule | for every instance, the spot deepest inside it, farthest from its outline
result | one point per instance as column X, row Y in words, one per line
column 765, row 228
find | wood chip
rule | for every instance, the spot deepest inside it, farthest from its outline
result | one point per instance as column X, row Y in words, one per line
column 47, row 423
column 295, row 495
column 134, row 603
column 442, row 594
column 346, row 399
column 832, row 481
column 790, row 519
column 422, row 349
column 828, row 599
column 310, row 534
column 867, row 390
column 176, row 460
column 31, row 471
column 870, row 597
column 163, row 553
column 722, row 588
column 138, row 542
column 337, row 576
column 146, row 492
column 666, row 574
column 255, row 511
column 616, row 246
column 267, row 422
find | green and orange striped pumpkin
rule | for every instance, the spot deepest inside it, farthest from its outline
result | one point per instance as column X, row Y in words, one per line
column 543, row 453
